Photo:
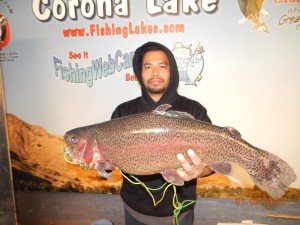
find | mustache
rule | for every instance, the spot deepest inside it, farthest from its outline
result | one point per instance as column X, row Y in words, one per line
column 155, row 78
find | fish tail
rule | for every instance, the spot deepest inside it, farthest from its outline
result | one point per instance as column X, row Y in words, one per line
column 271, row 174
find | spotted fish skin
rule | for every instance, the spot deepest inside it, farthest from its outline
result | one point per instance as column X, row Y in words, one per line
column 147, row 143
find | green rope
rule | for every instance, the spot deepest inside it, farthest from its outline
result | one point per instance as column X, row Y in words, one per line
column 178, row 206
column 138, row 182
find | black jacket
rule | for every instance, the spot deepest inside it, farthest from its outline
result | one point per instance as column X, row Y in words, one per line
column 135, row 196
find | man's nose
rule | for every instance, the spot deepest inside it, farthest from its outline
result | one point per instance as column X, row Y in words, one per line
column 155, row 72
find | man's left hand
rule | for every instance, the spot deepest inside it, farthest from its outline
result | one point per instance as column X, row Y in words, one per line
column 196, row 169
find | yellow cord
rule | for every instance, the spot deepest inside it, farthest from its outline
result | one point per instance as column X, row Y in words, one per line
column 176, row 204
column 68, row 160
column 65, row 155
column 155, row 203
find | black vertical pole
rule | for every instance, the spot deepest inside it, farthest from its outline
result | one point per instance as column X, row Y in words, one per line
column 7, row 200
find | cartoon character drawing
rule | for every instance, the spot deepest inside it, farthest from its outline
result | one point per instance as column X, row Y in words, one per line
column 252, row 10
column 4, row 31
column 190, row 64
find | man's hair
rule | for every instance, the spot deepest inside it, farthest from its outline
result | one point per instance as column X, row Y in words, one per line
column 152, row 47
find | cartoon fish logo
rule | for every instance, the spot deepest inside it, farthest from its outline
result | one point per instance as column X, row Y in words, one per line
column 190, row 63
column 252, row 10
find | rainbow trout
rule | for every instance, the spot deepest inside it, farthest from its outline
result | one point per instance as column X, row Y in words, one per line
column 148, row 143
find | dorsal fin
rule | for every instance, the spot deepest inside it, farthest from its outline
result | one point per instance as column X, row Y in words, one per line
column 163, row 107
column 161, row 110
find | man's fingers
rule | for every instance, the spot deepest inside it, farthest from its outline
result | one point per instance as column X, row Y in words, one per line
column 184, row 163
column 194, row 158
column 197, row 162
column 193, row 167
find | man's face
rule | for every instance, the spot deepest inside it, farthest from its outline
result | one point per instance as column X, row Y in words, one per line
column 155, row 73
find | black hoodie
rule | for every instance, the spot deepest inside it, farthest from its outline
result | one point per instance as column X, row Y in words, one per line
column 135, row 196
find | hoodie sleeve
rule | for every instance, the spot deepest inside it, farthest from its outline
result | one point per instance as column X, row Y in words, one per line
column 192, row 107
column 202, row 115
column 115, row 114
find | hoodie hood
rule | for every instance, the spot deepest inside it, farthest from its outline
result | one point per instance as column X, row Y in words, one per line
column 170, row 94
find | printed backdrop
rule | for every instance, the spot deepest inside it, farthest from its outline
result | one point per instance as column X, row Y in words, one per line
column 68, row 63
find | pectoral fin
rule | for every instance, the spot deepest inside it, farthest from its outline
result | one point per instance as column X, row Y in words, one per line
column 101, row 168
column 104, row 174
column 172, row 176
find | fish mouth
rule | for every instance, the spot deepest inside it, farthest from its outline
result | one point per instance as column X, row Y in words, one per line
column 81, row 152
column 68, row 156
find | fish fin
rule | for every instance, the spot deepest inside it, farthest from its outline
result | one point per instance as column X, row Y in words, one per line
column 172, row 176
column 101, row 168
column 222, row 167
column 162, row 110
column 234, row 132
column 179, row 114
column 271, row 174
column 104, row 174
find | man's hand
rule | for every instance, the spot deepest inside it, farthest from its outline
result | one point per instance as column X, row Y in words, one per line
column 194, row 170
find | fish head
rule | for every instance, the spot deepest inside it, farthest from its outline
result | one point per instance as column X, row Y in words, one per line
column 81, row 149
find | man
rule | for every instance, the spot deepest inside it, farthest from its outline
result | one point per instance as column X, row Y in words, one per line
column 156, row 70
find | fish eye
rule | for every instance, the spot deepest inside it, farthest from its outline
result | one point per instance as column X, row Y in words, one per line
column 74, row 140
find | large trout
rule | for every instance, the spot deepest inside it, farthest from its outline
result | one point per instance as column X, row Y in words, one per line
column 148, row 143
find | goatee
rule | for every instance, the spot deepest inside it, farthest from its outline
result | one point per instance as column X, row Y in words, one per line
column 158, row 90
